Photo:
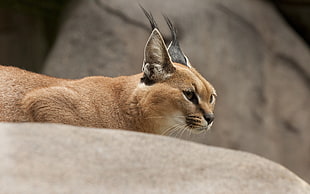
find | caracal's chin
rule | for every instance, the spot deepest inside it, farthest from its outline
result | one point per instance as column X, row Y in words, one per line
column 176, row 125
column 202, row 129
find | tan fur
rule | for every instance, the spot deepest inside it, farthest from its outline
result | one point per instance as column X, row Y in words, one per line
column 122, row 102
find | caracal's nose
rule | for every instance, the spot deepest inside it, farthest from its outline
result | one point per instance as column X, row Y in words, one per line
column 209, row 117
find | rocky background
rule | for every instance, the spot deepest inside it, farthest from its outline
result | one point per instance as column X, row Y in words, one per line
column 259, row 65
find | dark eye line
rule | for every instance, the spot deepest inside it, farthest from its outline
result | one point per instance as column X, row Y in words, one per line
column 191, row 96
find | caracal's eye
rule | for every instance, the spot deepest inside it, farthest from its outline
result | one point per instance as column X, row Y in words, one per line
column 212, row 99
column 191, row 96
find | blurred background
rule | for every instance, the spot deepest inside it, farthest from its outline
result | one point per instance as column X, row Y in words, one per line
column 255, row 53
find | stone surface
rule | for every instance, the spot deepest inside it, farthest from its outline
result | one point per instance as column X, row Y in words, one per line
column 258, row 65
column 50, row 158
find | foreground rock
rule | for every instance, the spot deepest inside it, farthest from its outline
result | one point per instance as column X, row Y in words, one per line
column 50, row 158
column 258, row 65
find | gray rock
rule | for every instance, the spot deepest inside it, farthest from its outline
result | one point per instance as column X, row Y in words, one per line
column 51, row 158
column 258, row 65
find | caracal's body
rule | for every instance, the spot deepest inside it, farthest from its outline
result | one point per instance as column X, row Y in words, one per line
column 92, row 101
column 169, row 95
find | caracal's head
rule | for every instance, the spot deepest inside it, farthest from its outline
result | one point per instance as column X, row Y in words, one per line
column 174, row 96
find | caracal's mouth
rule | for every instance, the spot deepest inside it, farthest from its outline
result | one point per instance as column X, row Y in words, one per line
column 179, row 125
column 198, row 130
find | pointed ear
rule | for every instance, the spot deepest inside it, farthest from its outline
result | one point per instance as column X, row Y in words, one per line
column 157, row 65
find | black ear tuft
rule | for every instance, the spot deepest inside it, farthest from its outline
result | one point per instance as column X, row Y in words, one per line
column 149, row 17
column 174, row 48
column 173, row 31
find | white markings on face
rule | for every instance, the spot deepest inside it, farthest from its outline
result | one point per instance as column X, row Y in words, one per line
column 198, row 97
column 214, row 95
column 206, row 126
column 209, row 126
column 212, row 99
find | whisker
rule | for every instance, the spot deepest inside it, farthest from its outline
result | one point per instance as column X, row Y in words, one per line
column 185, row 129
column 195, row 125
column 173, row 130
column 190, row 133
column 190, row 130
column 176, row 131
column 155, row 117
column 169, row 128
column 162, row 117
column 181, row 132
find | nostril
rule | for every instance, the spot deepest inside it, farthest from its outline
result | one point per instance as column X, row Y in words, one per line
column 209, row 117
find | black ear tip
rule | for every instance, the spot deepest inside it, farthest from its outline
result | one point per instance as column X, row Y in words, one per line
column 174, row 49
column 149, row 17
column 168, row 21
column 143, row 9
column 172, row 29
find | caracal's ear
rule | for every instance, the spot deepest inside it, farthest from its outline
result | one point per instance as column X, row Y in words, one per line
column 174, row 48
column 157, row 65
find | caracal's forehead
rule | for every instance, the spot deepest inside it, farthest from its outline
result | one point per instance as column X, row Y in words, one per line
column 189, row 77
